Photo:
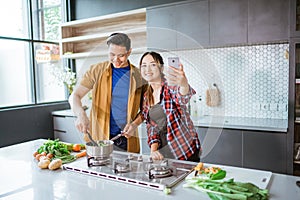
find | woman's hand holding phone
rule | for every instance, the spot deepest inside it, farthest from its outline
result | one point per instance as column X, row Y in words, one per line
column 174, row 62
column 175, row 74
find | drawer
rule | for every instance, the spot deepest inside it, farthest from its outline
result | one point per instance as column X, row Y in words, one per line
column 59, row 123
column 70, row 137
column 63, row 123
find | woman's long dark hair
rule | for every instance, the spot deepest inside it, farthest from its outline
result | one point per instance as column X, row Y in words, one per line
column 157, row 57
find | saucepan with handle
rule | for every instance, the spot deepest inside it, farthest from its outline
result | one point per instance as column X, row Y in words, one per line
column 101, row 148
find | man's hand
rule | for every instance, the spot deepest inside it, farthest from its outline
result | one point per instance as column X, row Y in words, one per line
column 82, row 123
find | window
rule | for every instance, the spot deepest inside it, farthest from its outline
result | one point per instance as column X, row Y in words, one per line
column 14, row 19
column 29, row 51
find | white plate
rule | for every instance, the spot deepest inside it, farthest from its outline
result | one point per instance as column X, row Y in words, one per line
column 258, row 177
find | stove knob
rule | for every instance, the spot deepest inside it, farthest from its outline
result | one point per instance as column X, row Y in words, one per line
column 164, row 162
column 150, row 160
column 130, row 156
column 140, row 158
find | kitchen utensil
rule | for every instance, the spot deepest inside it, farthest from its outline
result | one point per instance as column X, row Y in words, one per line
column 93, row 142
column 103, row 149
column 213, row 96
column 117, row 136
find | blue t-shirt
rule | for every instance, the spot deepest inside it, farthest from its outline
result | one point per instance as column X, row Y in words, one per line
column 119, row 102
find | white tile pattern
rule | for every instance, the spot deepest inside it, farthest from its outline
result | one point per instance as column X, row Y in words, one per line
column 253, row 80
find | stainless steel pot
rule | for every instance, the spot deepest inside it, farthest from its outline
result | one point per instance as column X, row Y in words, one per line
column 103, row 150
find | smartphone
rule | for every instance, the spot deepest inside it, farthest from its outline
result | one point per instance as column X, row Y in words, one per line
column 173, row 61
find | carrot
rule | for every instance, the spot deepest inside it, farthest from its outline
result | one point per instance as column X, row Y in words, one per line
column 81, row 154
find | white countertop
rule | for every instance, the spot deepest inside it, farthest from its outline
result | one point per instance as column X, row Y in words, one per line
column 66, row 113
column 22, row 179
column 244, row 123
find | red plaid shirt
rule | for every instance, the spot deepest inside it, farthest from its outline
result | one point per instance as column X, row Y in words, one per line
column 181, row 134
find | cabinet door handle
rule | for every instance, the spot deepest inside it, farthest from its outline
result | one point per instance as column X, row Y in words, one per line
column 61, row 131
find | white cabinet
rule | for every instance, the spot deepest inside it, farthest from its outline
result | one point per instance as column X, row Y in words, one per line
column 64, row 127
column 87, row 37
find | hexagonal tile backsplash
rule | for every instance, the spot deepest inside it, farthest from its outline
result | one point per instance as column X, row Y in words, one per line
column 252, row 80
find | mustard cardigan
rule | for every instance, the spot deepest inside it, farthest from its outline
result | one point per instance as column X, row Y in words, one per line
column 99, row 79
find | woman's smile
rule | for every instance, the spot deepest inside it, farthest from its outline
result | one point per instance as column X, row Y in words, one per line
column 150, row 69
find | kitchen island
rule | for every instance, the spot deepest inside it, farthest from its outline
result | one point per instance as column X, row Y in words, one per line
column 21, row 178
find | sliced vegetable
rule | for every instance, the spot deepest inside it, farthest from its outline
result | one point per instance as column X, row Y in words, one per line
column 102, row 144
column 167, row 190
column 199, row 166
column 214, row 173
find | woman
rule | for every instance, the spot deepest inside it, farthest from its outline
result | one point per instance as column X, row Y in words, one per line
column 171, row 132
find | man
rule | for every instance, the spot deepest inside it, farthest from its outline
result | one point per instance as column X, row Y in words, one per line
column 116, row 94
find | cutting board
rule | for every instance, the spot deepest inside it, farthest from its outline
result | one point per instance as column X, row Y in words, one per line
column 258, row 177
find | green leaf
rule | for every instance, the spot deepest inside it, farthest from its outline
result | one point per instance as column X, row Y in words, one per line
column 218, row 176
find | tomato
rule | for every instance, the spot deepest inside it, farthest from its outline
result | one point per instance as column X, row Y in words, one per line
column 76, row 147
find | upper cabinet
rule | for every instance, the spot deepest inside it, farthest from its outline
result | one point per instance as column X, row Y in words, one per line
column 192, row 24
column 161, row 28
column 295, row 18
column 183, row 25
column 268, row 21
column 248, row 21
column 178, row 26
column 228, row 22
column 87, row 37
column 215, row 23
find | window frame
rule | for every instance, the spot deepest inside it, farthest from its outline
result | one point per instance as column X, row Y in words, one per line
column 31, row 43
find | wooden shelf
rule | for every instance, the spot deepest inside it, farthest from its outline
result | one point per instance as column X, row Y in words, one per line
column 98, row 53
column 87, row 37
